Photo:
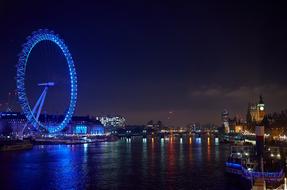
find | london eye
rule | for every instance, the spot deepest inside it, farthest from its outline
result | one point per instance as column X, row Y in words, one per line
column 32, row 113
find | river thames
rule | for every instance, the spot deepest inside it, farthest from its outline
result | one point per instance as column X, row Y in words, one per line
column 187, row 163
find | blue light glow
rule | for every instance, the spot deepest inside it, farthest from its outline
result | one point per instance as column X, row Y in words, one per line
column 233, row 165
column 38, row 36
column 247, row 173
column 80, row 129
column 198, row 140
column 98, row 130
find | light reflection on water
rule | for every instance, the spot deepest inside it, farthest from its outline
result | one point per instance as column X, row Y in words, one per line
column 134, row 163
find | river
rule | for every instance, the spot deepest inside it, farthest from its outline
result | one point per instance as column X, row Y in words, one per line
column 187, row 163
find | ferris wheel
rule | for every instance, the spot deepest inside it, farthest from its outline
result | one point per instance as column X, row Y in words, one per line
column 32, row 114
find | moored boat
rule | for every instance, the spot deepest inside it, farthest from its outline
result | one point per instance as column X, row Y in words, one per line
column 243, row 163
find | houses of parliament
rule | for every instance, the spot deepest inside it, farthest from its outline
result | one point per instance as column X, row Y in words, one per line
column 256, row 112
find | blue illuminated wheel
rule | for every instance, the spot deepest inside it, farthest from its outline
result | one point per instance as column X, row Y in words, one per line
column 34, row 39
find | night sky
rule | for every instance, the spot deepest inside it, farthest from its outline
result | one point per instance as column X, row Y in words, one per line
column 144, row 59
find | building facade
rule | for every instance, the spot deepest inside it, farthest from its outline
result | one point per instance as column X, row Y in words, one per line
column 112, row 121
column 256, row 112
column 15, row 121
column 225, row 120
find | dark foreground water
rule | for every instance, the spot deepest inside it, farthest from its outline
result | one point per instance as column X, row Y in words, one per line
column 190, row 163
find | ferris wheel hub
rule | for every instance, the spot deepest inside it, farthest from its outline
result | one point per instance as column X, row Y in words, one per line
column 47, row 84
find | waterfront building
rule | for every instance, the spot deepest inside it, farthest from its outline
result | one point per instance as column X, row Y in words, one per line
column 225, row 120
column 256, row 112
column 96, row 129
column 238, row 128
column 78, row 124
column 112, row 121
column 157, row 126
column 85, row 125
column 193, row 127
column 236, row 125
column 11, row 123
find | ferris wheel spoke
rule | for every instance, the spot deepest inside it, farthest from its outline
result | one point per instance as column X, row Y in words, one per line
column 38, row 103
column 41, row 105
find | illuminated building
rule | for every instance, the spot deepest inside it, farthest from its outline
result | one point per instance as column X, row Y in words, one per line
column 85, row 125
column 193, row 127
column 236, row 125
column 97, row 130
column 80, row 129
column 13, row 120
column 112, row 121
column 261, row 109
column 225, row 120
column 256, row 112
column 77, row 125
column 238, row 128
column 154, row 125
column 88, row 129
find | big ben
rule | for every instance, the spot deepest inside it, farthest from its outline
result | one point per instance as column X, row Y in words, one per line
column 260, row 110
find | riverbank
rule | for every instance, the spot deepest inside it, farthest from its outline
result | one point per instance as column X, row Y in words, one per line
column 14, row 145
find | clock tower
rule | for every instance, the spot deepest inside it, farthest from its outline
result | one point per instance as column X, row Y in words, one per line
column 260, row 110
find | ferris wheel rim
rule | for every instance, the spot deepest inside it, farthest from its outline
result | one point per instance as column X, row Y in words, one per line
column 37, row 37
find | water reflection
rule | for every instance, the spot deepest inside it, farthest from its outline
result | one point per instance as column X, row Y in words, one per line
column 198, row 140
column 190, row 151
column 137, row 163
column 190, row 140
column 85, row 147
column 208, row 149
column 216, row 141
column 181, row 154
column 171, row 161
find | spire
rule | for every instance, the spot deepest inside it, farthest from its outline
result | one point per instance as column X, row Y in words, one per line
column 261, row 100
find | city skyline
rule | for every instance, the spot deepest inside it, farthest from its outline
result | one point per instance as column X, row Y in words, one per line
column 144, row 60
column 143, row 94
